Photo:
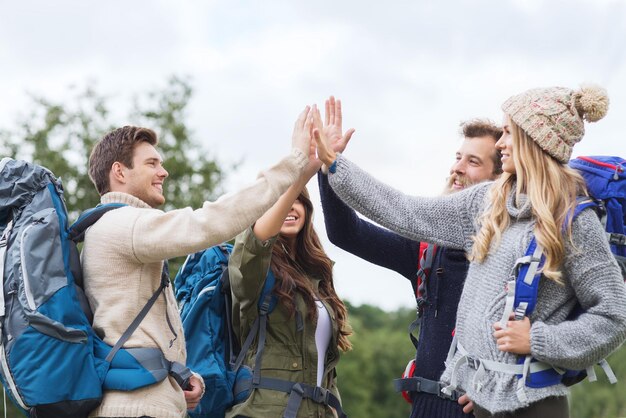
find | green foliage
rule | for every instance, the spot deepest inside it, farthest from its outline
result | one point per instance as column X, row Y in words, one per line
column 60, row 136
column 381, row 349
column 601, row 399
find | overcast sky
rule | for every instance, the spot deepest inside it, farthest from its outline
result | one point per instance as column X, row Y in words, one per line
column 407, row 72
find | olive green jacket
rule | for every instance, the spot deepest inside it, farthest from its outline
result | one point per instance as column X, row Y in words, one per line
column 290, row 353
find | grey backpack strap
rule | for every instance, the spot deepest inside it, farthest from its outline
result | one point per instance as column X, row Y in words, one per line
column 165, row 281
column 3, row 249
column 181, row 374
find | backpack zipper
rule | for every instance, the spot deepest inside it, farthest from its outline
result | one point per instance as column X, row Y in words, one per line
column 3, row 360
column 617, row 168
column 30, row 300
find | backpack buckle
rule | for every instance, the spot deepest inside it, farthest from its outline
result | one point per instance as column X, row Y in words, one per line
column 473, row 362
column 320, row 395
column 453, row 396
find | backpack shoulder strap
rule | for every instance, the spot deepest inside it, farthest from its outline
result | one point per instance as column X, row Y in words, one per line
column 165, row 282
column 267, row 303
column 528, row 273
column 76, row 232
column 424, row 265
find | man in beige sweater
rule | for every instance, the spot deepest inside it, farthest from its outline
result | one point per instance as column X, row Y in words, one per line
column 124, row 251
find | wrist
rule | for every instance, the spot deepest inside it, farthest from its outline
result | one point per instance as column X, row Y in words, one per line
column 331, row 158
column 332, row 167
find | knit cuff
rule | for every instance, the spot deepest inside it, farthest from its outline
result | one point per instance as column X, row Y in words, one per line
column 539, row 336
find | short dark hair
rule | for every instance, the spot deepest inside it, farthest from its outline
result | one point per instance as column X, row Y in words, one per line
column 117, row 145
column 476, row 128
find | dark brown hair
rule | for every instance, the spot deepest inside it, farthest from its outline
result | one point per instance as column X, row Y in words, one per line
column 116, row 146
column 476, row 128
column 291, row 271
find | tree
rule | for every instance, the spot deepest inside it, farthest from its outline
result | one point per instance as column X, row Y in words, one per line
column 60, row 136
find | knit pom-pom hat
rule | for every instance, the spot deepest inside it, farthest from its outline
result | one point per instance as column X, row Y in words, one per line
column 553, row 117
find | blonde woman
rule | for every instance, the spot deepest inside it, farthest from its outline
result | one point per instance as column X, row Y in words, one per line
column 494, row 223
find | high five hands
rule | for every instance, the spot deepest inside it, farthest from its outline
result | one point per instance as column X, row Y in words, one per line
column 329, row 136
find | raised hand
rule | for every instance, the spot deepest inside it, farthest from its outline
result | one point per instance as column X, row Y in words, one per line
column 301, row 138
column 333, row 125
column 324, row 150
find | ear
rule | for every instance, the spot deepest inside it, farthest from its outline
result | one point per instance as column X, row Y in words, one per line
column 117, row 175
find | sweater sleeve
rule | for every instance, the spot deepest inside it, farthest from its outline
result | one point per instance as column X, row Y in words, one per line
column 247, row 269
column 448, row 221
column 160, row 235
column 364, row 239
column 592, row 272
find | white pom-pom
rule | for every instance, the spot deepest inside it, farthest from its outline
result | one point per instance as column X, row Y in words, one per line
column 592, row 102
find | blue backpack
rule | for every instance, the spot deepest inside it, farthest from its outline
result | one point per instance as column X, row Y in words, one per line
column 606, row 183
column 52, row 363
column 205, row 302
column 213, row 350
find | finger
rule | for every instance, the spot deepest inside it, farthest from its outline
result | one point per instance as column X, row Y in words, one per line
column 500, row 334
column 322, row 149
column 463, row 400
column 338, row 116
column 308, row 122
column 327, row 113
column 332, row 110
column 497, row 326
column 348, row 135
column 302, row 118
column 469, row 407
column 317, row 118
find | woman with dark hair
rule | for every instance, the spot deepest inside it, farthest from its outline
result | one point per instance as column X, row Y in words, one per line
column 306, row 329
column 495, row 222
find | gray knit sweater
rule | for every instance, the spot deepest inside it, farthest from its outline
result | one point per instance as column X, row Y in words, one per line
column 590, row 272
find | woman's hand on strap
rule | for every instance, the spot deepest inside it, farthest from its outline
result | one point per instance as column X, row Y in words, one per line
column 515, row 338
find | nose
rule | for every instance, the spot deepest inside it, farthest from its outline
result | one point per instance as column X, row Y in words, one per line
column 500, row 143
column 458, row 166
column 163, row 172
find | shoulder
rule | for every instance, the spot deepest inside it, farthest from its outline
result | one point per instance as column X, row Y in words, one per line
column 588, row 239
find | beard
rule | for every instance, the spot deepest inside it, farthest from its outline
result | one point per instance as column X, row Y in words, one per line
column 462, row 180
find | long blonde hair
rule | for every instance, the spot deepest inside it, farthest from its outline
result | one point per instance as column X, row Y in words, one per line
column 552, row 189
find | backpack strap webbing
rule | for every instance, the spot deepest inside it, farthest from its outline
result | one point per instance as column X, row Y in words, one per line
column 424, row 265
column 178, row 371
column 141, row 315
column 299, row 391
column 423, row 385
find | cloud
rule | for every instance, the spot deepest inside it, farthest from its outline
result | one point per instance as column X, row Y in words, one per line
column 408, row 73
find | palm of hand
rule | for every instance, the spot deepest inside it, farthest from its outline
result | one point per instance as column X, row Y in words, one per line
column 334, row 137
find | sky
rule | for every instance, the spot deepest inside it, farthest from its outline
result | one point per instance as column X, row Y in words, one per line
column 407, row 72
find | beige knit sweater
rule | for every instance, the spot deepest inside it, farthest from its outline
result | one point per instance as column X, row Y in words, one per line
column 122, row 260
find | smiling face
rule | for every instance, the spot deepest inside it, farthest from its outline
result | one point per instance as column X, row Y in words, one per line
column 474, row 163
column 505, row 145
column 294, row 222
column 145, row 179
